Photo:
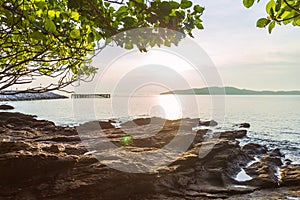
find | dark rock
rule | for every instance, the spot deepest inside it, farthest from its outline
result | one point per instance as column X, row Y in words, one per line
column 243, row 125
column 232, row 134
column 264, row 172
column 276, row 152
column 290, row 175
column 6, row 107
column 208, row 123
column 272, row 160
column 95, row 125
column 39, row 160
column 13, row 146
column 287, row 161
column 254, row 149
column 19, row 168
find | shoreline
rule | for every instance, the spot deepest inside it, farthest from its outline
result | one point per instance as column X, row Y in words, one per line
column 46, row 161
column 30, row 96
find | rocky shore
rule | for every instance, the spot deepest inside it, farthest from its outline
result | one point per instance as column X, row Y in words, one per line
column 39, row 160
column 15, row 96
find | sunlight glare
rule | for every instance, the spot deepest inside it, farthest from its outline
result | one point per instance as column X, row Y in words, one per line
column 171, row 106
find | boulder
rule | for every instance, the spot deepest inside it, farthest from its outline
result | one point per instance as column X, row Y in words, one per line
column 243, row 125
column 6, row 107
column 254, row 149
column 290, row 175
column 208, row 123
column 232, row 134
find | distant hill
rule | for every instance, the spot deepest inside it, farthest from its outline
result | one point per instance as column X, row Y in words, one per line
column 228, row 91
column 30, row 96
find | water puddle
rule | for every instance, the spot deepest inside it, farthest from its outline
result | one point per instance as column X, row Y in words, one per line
column 242, row 176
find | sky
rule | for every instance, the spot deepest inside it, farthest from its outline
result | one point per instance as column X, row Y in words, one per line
column 246, row 56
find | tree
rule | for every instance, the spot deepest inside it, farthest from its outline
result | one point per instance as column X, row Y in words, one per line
column 279, row 12
column 50, row 38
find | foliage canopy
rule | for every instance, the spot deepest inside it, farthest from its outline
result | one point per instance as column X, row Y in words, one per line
column 279, row 12
column 57, row 39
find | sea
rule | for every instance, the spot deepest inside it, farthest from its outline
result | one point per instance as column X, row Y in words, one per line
column 274, row 120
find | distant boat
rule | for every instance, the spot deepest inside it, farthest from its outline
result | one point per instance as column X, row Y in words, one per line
column 82, row 96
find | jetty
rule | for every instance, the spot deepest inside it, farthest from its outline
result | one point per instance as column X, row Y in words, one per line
column 81, row 96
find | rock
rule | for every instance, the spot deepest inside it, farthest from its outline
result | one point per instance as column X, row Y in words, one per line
column 6, row 107
column 272, row 160
column 243, row 125
column 232, row 134
column 144, row 121
column 290, row 175
column 263, row 173
column 17, row 168
column 287, row 161
column 208, row 123
column 55, row 148
column 254, row 149
column 276, row 152
column 14, row 146
column 39, row 160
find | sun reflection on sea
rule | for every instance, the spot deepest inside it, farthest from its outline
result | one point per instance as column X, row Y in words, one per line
column 171, row 106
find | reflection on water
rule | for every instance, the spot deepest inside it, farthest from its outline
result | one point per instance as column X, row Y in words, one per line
column 171, row 106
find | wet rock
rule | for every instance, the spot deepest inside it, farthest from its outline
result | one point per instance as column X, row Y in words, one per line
column 13, row 146
column 272, row 160
column 16, row 168
column 276, row 152
column 243, row 125
column 55, row 148
column 208, row 123
column 39, row 160
column 287, row 161
column 290, row 175
column 232, row 134
column 6, row 107
column 254, row 149
column 263, row 174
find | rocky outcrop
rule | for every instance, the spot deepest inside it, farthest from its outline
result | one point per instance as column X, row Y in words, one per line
column 243, row 125
column 208, row 123
column 39, row 160
column 6, row 107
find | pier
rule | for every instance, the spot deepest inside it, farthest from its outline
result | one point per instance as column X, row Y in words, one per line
column 81, row 96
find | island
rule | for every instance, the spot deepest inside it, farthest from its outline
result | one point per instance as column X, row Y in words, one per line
column 228, row 91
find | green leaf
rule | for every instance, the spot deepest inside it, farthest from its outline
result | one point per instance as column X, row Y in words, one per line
column 271, row 26
column 174, row 5
column 50, row 26
column 262, row 22
column 75, row 15
column 37, row 35
column 248, row 3
column 185, row 4
column 129, row 21
column 75, row 34
column 198, row 9
column 271, row 5
column 297, row 21
column 128, row 45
